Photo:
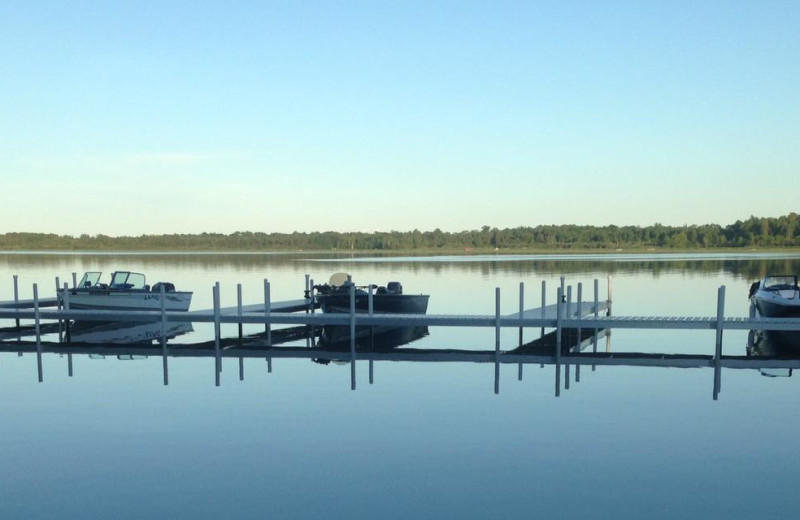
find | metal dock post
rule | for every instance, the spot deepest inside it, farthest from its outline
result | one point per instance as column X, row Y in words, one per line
column 239, row 309
column 267, row 305
column 38, row 331
column 578, row 340
column 16, row 296
column 163, row 298
column 352, row 337
column 596, row 314
column 217, row 332
column 67, row 322
column 559, row 317
column 718, row 349
column 521, row 310
column 497, row 340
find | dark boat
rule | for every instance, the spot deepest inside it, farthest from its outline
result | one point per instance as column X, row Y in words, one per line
column 776, row 297
column 334, row 297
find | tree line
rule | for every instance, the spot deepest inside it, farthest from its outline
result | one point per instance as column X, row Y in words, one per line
column 777, row 232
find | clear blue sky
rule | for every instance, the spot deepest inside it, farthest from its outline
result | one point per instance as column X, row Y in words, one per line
column 160, row 117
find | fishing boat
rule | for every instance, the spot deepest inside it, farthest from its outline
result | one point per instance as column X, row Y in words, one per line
column 126, row 291
column 334, row 296
column 776, row 296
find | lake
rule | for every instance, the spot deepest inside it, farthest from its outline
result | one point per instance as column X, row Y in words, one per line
column 425, row 440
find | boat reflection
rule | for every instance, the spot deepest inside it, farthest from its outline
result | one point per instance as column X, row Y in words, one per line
column 125, row 332
column 376, row 339
column 774, row 345
column 367, row 339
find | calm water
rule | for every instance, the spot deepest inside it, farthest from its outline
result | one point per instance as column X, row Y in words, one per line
column 426, row 440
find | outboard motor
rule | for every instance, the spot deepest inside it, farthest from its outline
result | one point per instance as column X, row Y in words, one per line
column 394, row 288
column 168, row 287
column 753, row 288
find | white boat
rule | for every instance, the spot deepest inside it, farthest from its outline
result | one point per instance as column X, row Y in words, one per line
column 127, row 291
column 777, row 297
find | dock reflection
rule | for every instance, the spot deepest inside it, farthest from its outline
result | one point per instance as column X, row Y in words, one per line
column 771, row 354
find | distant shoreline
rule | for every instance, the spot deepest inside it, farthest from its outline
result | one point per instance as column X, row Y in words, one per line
column 421, row 252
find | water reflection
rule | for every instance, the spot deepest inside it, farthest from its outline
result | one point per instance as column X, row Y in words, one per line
column 768, row 353
column 740, row 266
column 381, row 338
column 126, row 333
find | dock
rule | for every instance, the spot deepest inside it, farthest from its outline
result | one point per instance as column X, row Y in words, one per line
column 566, row 314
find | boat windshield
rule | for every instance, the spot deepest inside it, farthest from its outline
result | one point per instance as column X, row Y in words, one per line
column 90, row 279
column 127, row 280
column 779, row 283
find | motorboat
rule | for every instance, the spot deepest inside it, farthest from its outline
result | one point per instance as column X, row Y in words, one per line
column 776, row 297
column 126, row 291
column 334, row 297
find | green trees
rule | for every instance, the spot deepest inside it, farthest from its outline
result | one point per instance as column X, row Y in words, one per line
column 755, row 232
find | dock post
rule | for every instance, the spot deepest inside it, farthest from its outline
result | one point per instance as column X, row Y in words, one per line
column 267, row 311
column 352, row 337
column 568, row 349
column 371, row 369
column 163, row 298
column 311, row 295
column 544, row 315
column 38, row 331
column 370, row 311
column 497, row 340
column 74, row 280
column 312, row 328
column 217, row 333
column 596, row 314
column 69, row 364
column 58, row 307
column 559, row 317
column 609, row 288
column 16, row 297
column 241, row 368
column 718, row 349
column 307, row 289
column 239, row 310
column 578, row 340
column 67, row 322
column 569, row 313
column 521, row 310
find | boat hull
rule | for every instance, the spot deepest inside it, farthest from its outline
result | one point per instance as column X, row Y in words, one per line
column 127, row 300
column 775, row 308
column 381, row 304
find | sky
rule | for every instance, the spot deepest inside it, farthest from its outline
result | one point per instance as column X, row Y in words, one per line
column 129, row 118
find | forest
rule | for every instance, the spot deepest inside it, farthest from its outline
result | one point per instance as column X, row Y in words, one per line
column 755, row 232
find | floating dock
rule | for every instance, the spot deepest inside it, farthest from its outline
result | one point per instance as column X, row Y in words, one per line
column 563, row 316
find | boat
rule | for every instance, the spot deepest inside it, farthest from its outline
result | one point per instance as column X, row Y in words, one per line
column 127, row 291
column 334, row 297
column 776, row 297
